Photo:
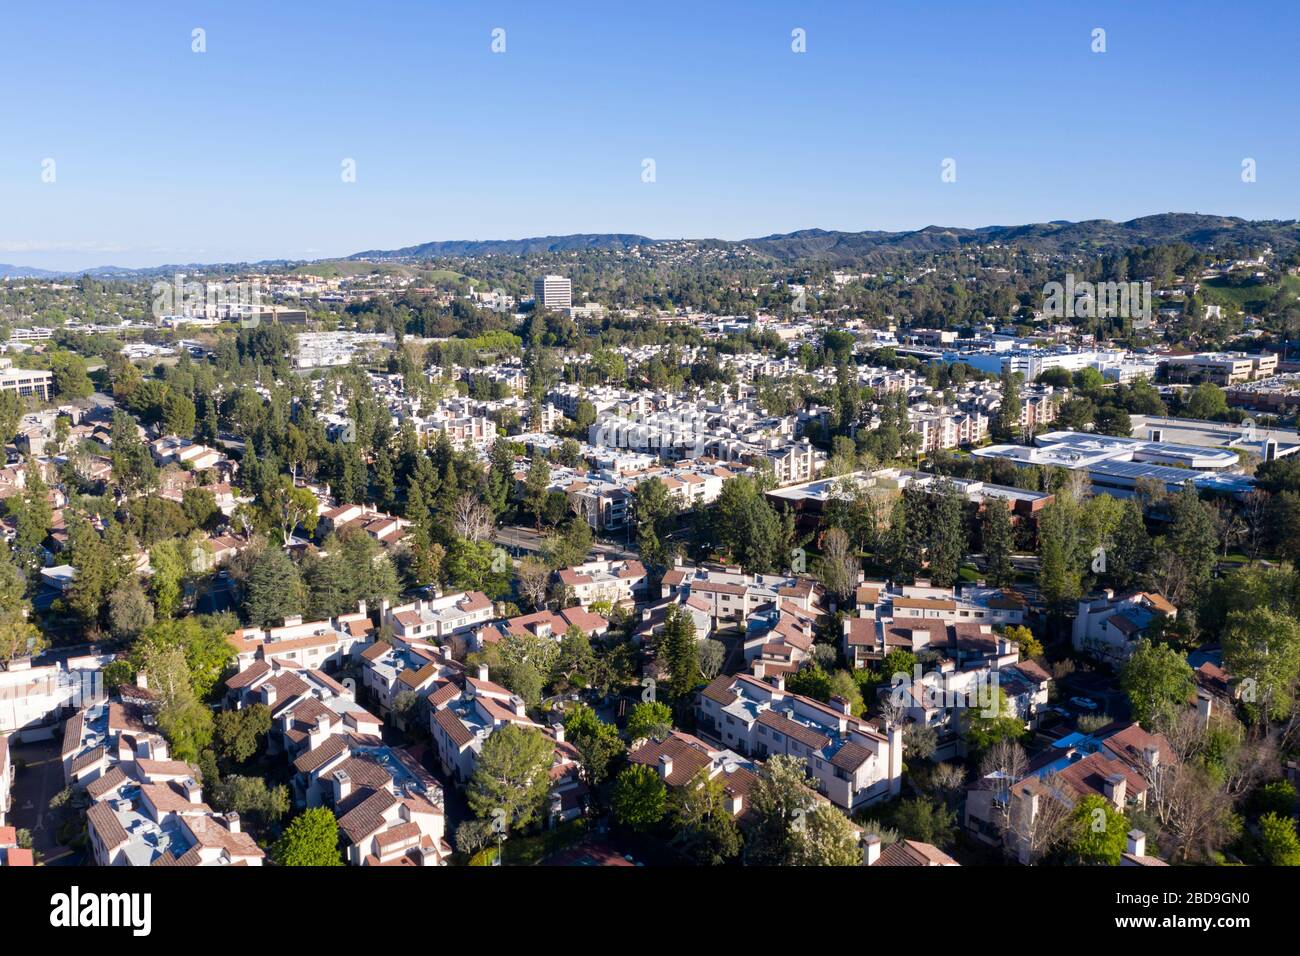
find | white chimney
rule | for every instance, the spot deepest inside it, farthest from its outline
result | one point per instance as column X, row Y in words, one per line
column 142, row 680
column 268, row 694
column 482, row 672
column 1152, row 755
column 870, row 850
column 665, row 766
column 193, row 792
column 1137, row 843
column 1204, row 706
column 1115, row 786
column 559, row 733
column 342, row 786
column 232, row 821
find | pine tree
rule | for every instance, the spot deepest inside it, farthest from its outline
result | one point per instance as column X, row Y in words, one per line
column 1007, row 425
column 999, row 542
column 947, row 535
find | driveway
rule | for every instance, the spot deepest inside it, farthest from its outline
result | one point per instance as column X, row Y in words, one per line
column 38, row 779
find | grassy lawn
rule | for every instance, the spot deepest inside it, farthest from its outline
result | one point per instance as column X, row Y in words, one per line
column 531, row 850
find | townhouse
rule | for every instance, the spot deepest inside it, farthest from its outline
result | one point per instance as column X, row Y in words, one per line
column 1108, row 627
column 552, row 624
column 324, row 645
column 389, row 808
column 437, row 619
column 681, row 758
column 307, row 705
column 606, row 581
column 733, row 595
column 464, row 714
column 854, row 763
column 388, row 530
column 1121, row 762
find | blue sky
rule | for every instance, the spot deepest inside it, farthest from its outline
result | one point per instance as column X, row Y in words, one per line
column 164, row 155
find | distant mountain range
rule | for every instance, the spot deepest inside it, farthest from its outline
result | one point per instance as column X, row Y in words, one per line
column 1092, row 236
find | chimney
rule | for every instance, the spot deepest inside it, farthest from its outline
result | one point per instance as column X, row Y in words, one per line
column 870, row 850
column 342, row 786
column 777, row 681
column 232, row 821
column 842, row 705
column 142, row 680
column 428, row 856
column 361, row 607
column 665, row 766
column 896, row 758
column 1204, row 706
column 293, row 620
column 735, row 803
column 559, row 733
column 1114, row 787
column 268, row 694
column 1152, row 754
column 483, row 672
column 193, row 792
column 1137, row 843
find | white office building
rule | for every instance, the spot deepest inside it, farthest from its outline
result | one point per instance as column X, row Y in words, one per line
column 553, row 292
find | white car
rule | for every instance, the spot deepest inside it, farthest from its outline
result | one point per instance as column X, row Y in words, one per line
column 1083, row 703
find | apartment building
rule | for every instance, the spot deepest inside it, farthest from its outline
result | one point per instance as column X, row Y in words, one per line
column 34, row 698
column 387, row 529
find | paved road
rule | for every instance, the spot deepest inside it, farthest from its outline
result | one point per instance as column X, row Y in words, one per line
column 38, row 780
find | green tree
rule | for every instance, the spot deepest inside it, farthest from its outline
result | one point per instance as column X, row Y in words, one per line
column 1278, row 843
column 780, row 802
column 985, row 726
column 596, row 741
column 237, row 732
column 826, row 838
column 311, row 839
column 640, row 797
column 1006, row 426
column 1262, row 646
column 999, row 543
column 926, row 820
column 1097, row 831
column 680, row 651
column 168, row 577
column 704, row 827
column 947, row 535
column 1158, row 681
column 511, row 779
column 274, row 590
column 649, row 719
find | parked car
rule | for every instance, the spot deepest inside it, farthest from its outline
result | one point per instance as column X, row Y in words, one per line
column 1084, row 703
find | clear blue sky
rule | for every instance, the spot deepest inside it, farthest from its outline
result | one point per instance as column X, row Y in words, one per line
column 164, row 155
